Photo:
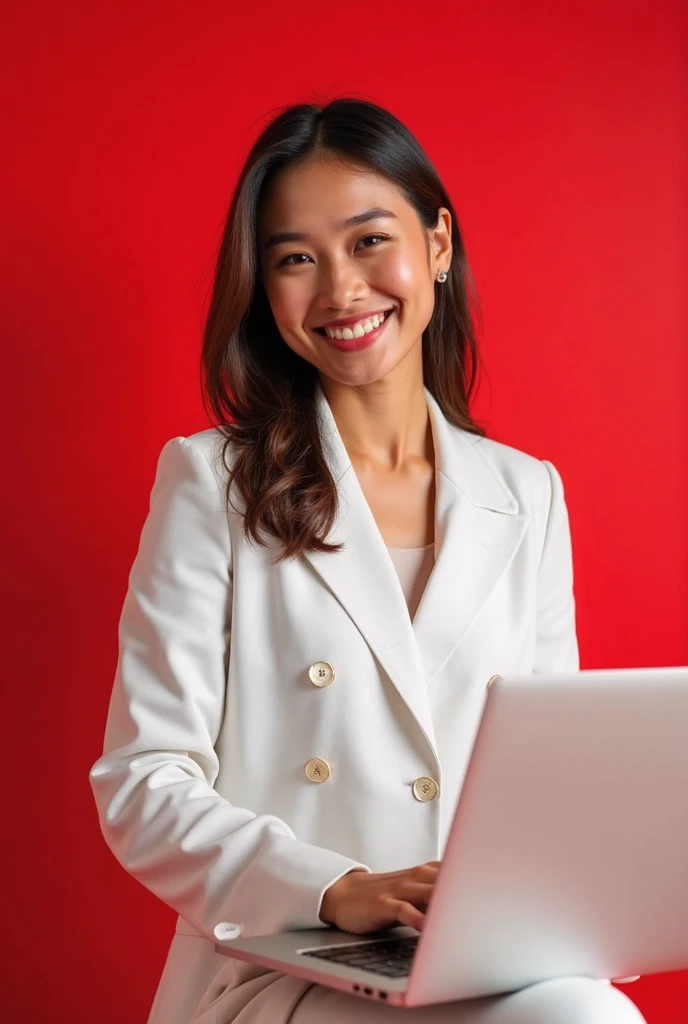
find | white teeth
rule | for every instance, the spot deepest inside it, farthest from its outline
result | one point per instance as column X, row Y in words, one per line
column 357, row 330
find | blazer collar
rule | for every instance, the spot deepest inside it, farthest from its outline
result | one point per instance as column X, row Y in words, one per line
column 459, row 458
column 478, row 528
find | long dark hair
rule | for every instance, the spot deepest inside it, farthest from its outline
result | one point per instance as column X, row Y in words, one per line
column 257, row 390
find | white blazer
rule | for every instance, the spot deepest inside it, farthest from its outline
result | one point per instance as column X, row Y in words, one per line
column 202, row 789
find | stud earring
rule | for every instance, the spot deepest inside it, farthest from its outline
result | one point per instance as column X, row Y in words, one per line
column 442, row 276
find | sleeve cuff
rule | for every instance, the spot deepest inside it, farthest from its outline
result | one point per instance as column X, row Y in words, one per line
column 283, row 886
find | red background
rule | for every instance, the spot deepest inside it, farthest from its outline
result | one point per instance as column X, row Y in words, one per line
column 560, row 130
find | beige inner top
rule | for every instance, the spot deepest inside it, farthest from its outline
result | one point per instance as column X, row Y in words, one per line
column 413, row 566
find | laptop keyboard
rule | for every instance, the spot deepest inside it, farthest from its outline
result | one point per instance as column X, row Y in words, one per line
column 390, row 957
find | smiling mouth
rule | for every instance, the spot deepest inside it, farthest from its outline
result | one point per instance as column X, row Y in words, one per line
column 357, row 329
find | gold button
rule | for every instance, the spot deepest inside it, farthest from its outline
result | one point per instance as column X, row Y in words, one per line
column 321, row 673
column 425, row 789
column 317, row 770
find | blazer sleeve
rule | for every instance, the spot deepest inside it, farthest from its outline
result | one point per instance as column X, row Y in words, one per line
column 556, row 646
column 160, row 815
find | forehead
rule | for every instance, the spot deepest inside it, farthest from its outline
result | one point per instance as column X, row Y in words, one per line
column 317, row 194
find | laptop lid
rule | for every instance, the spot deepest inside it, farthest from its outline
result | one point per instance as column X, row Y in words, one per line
column 569, row 847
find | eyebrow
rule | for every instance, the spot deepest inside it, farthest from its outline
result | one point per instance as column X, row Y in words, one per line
column 360, row 218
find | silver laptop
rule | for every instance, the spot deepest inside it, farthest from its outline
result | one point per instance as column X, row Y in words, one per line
column 568, row 853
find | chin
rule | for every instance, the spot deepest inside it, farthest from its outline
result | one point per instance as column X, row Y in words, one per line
column 364, row 373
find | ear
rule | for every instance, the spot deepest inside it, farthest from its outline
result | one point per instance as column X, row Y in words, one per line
column 440, row 242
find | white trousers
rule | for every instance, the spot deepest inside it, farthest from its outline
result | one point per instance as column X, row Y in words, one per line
column 269, row 998
column 559, row 1001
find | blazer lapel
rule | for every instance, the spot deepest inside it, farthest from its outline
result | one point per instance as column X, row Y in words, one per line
column 478, row 529
column 364, row 581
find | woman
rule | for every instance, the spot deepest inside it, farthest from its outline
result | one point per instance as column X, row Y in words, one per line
column 290, row 722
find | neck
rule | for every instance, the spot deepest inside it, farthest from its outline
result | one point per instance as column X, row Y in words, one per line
column 385, row 423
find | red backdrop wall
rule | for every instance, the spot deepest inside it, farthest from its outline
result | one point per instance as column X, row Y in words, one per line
column 560, row 130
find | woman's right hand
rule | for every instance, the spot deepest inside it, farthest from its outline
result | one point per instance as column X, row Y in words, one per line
column 362, row 902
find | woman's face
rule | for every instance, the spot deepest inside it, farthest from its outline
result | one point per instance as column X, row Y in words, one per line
column 341, row 247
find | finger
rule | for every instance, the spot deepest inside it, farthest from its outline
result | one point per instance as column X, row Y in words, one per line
column 423, row 873
column 417, row 893
column 429, row 869
column 407, row 914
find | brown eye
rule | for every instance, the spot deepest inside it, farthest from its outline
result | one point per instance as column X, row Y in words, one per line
column 286, row 260
column 372, row 238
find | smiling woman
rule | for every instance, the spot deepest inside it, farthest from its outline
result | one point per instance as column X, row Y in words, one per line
column 341, row 242
column 296, row 699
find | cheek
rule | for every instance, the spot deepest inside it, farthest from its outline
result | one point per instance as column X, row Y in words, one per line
column 407, row 279
column 284, row 305
column 289, row 307
column 289, row 299
column 404, row 276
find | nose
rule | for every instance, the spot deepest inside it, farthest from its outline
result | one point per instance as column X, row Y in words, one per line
column 340, row 284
